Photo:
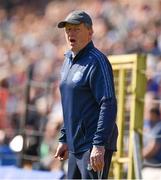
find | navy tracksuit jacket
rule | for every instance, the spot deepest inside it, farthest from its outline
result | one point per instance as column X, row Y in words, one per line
column 88, row 101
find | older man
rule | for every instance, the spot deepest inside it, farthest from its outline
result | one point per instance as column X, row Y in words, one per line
column 89, row 133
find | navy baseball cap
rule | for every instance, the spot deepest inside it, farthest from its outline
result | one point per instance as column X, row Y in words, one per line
column 76, row 17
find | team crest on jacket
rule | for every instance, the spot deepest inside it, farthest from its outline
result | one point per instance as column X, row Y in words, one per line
column 77, row 76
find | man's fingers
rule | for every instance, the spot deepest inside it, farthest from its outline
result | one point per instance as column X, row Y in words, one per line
column 97, row 158
column 92, row 162
column 97, row 163
column 65, row 155
column 61, row 152
column 56, row 154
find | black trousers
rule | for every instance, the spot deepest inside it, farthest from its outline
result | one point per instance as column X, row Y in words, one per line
column 79, row 167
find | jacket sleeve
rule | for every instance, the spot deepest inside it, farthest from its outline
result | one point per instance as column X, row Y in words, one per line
column 62, row 135
column 102, row 87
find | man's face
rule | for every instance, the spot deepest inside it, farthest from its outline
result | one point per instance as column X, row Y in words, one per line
column 77, row 36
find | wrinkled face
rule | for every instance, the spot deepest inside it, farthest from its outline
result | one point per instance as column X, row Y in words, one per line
column 77, row 36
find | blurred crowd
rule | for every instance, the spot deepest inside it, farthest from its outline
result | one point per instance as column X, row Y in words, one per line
column 33, row 48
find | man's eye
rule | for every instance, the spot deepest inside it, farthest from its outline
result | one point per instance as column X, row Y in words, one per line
column 67, row 30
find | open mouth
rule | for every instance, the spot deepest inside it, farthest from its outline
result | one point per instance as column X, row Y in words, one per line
column 72, row 40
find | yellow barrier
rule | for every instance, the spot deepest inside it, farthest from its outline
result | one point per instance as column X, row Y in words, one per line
column 130, row 83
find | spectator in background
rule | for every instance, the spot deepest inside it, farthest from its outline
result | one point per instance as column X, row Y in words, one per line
column 152, row 146
column 48, row 147
column 7, row 156
column 151, row 74
column 4, row 94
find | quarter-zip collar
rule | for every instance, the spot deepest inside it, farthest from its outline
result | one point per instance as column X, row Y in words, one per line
column 69, row 54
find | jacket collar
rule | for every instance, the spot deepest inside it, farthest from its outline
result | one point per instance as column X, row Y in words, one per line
column 69, row 53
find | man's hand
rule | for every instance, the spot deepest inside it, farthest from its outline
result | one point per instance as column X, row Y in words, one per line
column 97, row 158
column 62, row 151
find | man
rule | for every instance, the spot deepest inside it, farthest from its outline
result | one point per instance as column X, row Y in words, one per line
column 152, row 146
column 89, row 105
